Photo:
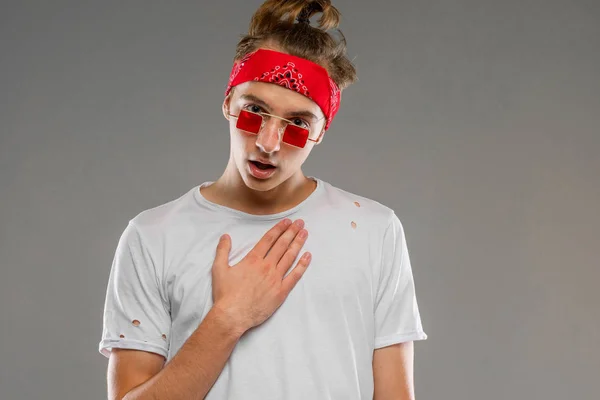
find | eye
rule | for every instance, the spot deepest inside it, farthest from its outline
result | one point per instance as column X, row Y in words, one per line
column 253, row 108
column 300, row 122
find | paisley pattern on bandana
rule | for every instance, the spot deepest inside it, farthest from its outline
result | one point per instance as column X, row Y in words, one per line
column 287, row 76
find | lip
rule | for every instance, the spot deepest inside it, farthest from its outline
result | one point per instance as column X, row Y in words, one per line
column 259, row 173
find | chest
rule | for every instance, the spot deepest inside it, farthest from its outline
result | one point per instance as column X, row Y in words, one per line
column 343, row 270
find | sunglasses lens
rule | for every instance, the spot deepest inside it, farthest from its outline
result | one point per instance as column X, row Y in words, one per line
column 295, row 135
column 249, row 122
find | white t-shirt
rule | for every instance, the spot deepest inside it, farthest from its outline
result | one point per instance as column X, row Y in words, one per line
column 357, row 294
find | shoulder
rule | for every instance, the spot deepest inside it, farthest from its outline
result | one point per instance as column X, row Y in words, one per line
column 368, row 208
column 154, row 222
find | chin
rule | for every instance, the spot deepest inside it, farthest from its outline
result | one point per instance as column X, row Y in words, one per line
column 260, row 185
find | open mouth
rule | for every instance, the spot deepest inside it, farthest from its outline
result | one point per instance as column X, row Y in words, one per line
column 262, row 166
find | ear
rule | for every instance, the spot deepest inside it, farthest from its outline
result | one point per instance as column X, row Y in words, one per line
column 321, row 136
column 225, row 106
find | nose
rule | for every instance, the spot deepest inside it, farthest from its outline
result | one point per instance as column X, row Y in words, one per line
column 268, row 139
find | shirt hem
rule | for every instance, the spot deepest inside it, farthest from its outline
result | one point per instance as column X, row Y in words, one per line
column 399, row 338
column 106, row 345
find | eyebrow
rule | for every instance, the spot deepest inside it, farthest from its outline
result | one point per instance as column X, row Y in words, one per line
column 262, row 103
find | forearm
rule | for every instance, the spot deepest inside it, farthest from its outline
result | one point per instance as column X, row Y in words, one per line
column 196, row 366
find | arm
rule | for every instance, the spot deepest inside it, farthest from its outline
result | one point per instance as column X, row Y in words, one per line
column 397, row 319
column 189, row 375
column 393, row 372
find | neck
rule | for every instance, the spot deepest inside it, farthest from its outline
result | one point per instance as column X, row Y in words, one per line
column 231, row 191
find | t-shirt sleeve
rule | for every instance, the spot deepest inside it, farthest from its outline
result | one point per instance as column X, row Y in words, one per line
column 397, row 317
column 135, row 314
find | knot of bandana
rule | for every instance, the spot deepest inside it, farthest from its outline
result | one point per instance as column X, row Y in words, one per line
column 294, row 73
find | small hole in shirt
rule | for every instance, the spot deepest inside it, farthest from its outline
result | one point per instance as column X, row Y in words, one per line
column 164, row 336
column 122, row 336
column 357, row 204
column 353, row 224
column 135, row 322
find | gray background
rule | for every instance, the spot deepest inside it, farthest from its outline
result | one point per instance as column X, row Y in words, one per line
column 477, row 121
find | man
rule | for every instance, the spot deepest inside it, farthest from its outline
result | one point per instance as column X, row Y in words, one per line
column 276, row 312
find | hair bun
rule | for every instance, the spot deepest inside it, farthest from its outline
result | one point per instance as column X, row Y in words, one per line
column 275, row 12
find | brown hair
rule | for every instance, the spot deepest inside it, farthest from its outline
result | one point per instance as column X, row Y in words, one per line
column 283, row 25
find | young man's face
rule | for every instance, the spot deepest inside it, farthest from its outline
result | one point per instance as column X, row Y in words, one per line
column 267, row 145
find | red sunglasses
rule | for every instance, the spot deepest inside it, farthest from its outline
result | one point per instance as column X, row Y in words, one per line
column 252, row 122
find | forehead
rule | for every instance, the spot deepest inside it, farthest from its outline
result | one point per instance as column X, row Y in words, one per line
column 278, row 98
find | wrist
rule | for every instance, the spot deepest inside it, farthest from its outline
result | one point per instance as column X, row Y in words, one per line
column 226, row 319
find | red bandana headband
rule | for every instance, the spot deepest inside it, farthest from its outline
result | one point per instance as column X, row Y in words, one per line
column 294, row 73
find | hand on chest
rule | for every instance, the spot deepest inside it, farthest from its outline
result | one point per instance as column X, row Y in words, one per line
column 342, row 249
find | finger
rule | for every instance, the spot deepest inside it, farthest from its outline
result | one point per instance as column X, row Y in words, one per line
column 223, row 249
column 266, row 242
column 290, row 281
column 282, row 244
column 292, row 252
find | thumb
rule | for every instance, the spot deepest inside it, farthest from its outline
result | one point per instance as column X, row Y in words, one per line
column 223, row 249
